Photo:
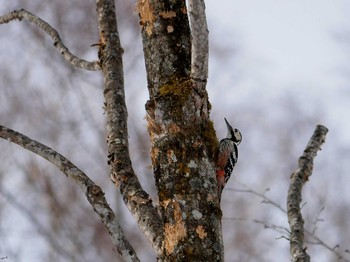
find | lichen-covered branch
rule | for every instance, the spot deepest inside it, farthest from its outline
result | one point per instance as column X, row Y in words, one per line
column 122, row 174
column 67, row 55
column 183, row 140
column 200, row 43
column 93, row 193
column 166, row 41
column 298, row 179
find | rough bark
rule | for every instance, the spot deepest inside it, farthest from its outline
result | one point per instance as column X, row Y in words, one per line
column 183, row 141
column 200, row 43
column 298, row 179
column 184, row 144
column 122, row 174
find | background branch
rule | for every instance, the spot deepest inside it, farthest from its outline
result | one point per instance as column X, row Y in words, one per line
column 298, row 179
column 122, row 174
column 93, row 193
column 67, row 55
column 313, row 238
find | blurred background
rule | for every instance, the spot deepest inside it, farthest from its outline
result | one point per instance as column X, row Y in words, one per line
column 277, row 69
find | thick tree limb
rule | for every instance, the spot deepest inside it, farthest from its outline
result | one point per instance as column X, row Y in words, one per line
column 183, row 140
column 93, row 193
column 200, row 43
column 122, row 174
column 298, row 179
column 166, row 42
column 67, row 55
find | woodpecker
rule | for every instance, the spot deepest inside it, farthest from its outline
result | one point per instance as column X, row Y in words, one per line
column 227, row 157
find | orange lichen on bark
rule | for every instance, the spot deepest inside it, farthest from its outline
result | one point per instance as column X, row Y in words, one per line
column 201, row 232
column 153, row 127
column 167, row 15
column 170, row 29
column 171, row 156
column 174, row 129
column 154, row 154
column 174, row 232
column 147, row 17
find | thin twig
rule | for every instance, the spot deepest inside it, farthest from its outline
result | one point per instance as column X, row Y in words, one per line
column 67, row 55
column 298, row 179
column 266, row 224
column 314, row 239
column 266, row 200
column 93, row 193
column 316, row 220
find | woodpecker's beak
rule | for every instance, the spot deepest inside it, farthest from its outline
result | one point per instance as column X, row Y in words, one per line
column 228, row 125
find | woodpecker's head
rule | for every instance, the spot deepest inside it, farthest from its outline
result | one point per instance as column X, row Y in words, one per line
column 233, row 133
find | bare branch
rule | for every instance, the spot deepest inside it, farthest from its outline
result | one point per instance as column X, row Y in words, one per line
column 67, row 55
column 266, row 224
column 200, row 46
column 310, row 233
column 266, row 200
column 298, row 179
column 122, row 174
column 319, row 241
column 93, row 193
column 283, row 230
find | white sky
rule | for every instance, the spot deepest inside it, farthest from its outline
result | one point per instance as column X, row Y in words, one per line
column 279, row 47
column 295, row 38
column 274, row 48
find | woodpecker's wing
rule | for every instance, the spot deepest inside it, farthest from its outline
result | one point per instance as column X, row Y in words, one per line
column 231, row 163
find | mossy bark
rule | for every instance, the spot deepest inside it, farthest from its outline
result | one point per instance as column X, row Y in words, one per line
column 183, row 140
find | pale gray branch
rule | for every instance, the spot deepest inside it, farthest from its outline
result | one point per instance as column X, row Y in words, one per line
column 310, row 233
column 298, row 179
column 200, row 43
column 122, row 174
column 93, row 193
column 67, row 55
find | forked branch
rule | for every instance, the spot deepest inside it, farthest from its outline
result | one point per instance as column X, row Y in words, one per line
column 93, row 193
column 122, row 174
column 313, row 238
column 67, row 55
column 298, row 179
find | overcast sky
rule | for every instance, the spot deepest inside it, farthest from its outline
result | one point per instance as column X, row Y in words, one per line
column 298, row 39
column 264, row 50
column 272, row 49
column 283, row 46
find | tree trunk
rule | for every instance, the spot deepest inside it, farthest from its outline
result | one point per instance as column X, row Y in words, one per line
column 183, row 140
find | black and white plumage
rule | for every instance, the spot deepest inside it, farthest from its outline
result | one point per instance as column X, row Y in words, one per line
column 228, row 156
